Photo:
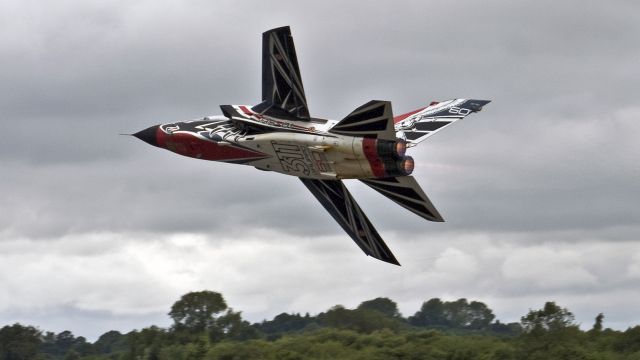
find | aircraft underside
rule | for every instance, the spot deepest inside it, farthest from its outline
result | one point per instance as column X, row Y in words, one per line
column 321, row 156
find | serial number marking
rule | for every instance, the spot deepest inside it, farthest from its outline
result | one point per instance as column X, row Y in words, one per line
column 298, row 159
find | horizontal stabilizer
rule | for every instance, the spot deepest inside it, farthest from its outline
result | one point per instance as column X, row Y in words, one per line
column 373, row 119
column 406, row 192
column 337, row 200
column 418, row 125
column 230, row 112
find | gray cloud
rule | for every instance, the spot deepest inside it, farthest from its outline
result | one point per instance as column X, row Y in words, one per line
column 123, row 279
column 537, row 190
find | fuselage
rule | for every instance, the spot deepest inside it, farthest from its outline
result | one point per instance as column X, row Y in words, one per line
column 308, row 153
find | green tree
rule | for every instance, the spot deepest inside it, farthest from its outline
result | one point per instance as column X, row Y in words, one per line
column 597, row 326
column 196, row 311
column 197, row 350
column 110, row 342
column 550, row 318
column 71, row 355
column 145, row 344
column 459, row 314
column 505, row 329
column 360, row 320
column 464, row 315
column 19, row 342
column 231, row 326
column 285, row 323
column 48, row 343
column 65, row 341
column 430, row 314
column 382, row 305
column 628, row 341
column 550, row 333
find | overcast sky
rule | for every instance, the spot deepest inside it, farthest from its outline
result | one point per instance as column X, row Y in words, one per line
column 539, row 191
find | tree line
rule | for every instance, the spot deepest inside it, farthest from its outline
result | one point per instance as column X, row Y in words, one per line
column 205, row 327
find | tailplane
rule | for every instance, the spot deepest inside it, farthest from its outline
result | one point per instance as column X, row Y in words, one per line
column 406, row 192
column 417, row 125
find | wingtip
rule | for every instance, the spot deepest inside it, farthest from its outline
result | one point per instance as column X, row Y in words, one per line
column 281, row 28
column 476, row 105
column 389, row 260
column 394, row 262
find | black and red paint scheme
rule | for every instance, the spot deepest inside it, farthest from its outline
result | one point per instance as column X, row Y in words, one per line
column 279, row 135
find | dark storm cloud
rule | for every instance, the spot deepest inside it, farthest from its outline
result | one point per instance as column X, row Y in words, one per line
column 90, row 59
column 148, row 196
column 76, row 84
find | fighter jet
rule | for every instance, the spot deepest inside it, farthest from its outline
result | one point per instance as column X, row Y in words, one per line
column 280, row 135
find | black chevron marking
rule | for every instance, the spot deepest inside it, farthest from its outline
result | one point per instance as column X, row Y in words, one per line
column 412, row 135
column 409, row 203
column 404, row 191
column 431, row 125
column 365, row 115
column 337, row 200
column 371, row 119
column 359, row 123
column 281, row 82
column 375, row 126
column 384, row 180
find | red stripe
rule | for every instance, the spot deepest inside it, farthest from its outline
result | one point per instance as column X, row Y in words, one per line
column 369, row 149
column 399, row 118
column 192, row 146
column 245, row 110
column 161, row 137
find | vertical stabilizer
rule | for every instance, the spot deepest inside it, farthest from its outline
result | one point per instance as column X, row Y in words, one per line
column 282, row 90
column 373, row 119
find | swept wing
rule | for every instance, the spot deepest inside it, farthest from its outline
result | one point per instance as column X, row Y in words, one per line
column 416, row 126
column 337, row 200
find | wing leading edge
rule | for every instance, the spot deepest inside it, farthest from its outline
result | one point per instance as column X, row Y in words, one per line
column 337, row 200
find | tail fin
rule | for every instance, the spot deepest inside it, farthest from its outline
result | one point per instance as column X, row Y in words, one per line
column 406, row 192
column 282, row 90
column 373, row 119
column 418, row 125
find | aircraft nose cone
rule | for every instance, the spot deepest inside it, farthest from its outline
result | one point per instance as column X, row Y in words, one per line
column 148, row 135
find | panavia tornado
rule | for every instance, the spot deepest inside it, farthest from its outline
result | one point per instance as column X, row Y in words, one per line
column 280, row 135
